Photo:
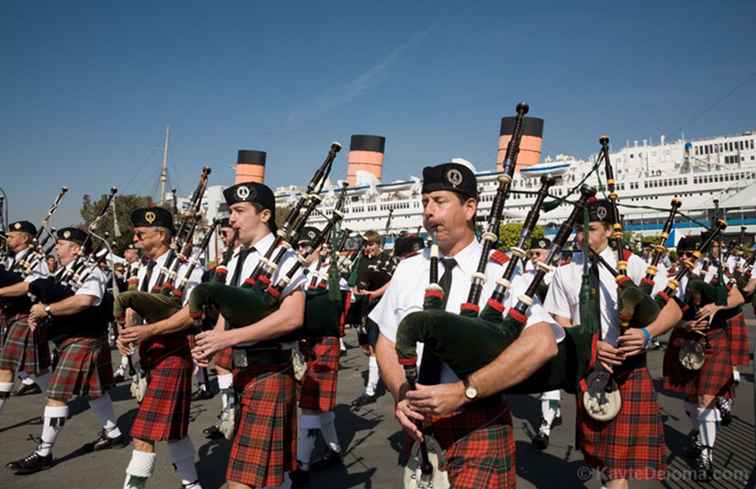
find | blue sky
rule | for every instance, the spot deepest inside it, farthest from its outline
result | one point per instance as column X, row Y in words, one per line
column 87, row 88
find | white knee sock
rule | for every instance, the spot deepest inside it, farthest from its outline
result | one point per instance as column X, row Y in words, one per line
column 707, row 421
column 735, row 375
column 373, row 376
column 54, row 419
column 103, row 408
column 43, row 381
column 139, row 469
column 226, row 384
column 548, row 409
column 5, row 390
column 342, row 346
column 26, row 379
column 182, row 458
column 328, row 428
column 308, row 423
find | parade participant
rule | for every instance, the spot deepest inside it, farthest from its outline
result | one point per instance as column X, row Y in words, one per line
column 373, row 276
column 222, row 362
column 630, row 446
column 469, row 419
column 23, row 350
column 551, row 412
column 714, row 378
column 131, row 255
column 79, row 331
column 317, row 395
column 263, row 450
column 163, row 414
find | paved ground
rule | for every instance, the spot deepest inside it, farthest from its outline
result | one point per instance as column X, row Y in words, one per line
column 370, row 437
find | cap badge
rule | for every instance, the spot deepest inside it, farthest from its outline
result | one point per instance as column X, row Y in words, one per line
column 242, row 192
column 601, row 212
column 17, row 225
column 150, row 217
column 455, row 177
column 66, row 234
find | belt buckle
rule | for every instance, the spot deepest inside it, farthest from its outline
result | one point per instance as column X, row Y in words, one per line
column 240, row 358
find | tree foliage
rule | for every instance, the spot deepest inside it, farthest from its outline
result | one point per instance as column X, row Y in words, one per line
column 510, row 233
column 125, row 204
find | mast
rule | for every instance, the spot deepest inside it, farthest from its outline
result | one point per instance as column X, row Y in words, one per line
column 164, row 169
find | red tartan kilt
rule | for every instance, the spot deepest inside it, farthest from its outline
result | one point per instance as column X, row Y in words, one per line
column 84, row 368
column 478, row 445
column 164, row 411
column 224, row 359
column 714, row 378
column 265, row 443
column 318, row 387
column 24, row 350
column 631, row 446
column 740, row 347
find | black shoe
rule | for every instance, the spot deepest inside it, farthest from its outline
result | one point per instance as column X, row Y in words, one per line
column 33, row 463
column 331, row 458
column 363, row 400
column 541, row 441
column 104, row 442
column 703, row 465
column 28, row 390
column 557, row 422
column 201, row 395
column 118, row 378
column 212, row 433
column 300, row 479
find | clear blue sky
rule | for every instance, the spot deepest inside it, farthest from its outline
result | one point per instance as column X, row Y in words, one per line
column 86, row 88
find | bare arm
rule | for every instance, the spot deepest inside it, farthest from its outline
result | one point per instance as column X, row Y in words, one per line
column 668, row 318
column 379, row 292
column 180, row 320
column 535, row 346
column 72, row 305
column 392, row 372
column 15, row 290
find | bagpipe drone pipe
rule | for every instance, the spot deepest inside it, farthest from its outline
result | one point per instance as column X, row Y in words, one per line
column 166, row 296
column 258, row 297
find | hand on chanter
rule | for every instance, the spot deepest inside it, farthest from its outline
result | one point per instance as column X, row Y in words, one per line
column 209, row 342
column 437, row 400
column 632, row 342
column 609, row 356
column 407, row 416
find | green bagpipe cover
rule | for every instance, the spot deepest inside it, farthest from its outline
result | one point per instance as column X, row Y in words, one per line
column 239, row 306
column 322, row 315
column 151, row 306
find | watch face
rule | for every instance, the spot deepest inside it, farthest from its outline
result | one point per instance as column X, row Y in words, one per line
column 471, row 392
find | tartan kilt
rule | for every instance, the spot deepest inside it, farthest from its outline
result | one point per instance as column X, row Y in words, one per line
column 318, row 387
column 265, row 443
column 714, row 378
column 631, row 446
column 740, row 347
column 24, row 350
column 84, row 368
column 478, row 444
column 224, row 359
column 164, row 411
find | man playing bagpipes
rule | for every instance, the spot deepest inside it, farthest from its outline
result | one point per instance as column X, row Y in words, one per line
column 468, row 418
column 163, row 414
column 551, row 413
column 264, row 445
column 705, row 323
column 317, row 393
column 631, row 445
column 373, row 277
column 79, row 330
column 22, row 350
column 131, row 256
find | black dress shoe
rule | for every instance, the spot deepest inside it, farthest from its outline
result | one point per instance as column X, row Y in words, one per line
column 704, row 468
column 33, row 463
column 541, row 441
column 557, row 422
column 300, row 479
column 104, row 442
column 331, row 458
column 363, row 400
column 28, row 389
column 201, row 395
column 212, row 433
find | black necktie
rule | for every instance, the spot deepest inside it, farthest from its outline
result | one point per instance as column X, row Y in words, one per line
column 145, row 287
column 236, row 277
column 430, row 366
column 596, row 285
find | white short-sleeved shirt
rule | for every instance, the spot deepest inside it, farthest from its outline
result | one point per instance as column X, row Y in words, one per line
column 94, row 285
column 194, row 279
column 39, row 271
column 406, row 293
column 563, row 297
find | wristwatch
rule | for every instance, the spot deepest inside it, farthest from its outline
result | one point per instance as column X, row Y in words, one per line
column 48, row 311
column 471, row 393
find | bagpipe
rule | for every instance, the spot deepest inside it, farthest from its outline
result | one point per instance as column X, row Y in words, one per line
column 659, row 248
column 258, row 297
column 166, row 296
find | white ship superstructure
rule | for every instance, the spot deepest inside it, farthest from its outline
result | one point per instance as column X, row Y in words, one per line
column 698, row 172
